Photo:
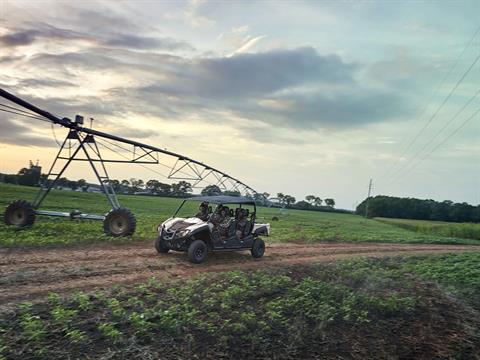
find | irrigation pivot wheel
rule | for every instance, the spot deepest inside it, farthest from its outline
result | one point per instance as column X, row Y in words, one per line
column 20, row 213
column 119, row 222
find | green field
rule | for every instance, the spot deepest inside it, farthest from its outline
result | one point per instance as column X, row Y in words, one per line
column 417, row 307
column 293, row 225
column 437, row 228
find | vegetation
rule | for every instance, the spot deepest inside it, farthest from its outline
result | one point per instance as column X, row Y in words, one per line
column 422, row 307
column 437, row 228
column 410, row 208
column 292, row 225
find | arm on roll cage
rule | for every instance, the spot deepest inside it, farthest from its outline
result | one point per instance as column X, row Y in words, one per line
column 84, row 138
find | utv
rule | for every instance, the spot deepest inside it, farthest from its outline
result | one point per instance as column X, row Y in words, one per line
column 230, row 226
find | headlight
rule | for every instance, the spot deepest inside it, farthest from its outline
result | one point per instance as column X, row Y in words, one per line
column 183, row 233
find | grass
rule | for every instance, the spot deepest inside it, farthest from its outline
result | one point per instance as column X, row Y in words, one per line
column 292, row 225
column 437, row 228
column 417, row 307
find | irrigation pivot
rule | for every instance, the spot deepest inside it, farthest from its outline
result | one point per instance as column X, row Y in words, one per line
column 82, row 144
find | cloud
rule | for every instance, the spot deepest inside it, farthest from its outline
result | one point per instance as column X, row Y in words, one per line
column 248, row 45
column 283, row 88
column 14, row 133
column 44, row 32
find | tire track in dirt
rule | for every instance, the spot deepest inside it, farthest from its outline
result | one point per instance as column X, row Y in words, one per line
column 29, row 274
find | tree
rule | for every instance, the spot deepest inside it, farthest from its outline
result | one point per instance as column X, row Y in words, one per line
column 125, row 186
column 289, row 200
column 303, row 205
column 330, row 202
column 30, row 176
column 317, row 201
column 137, row 184
column 181, row 189
column 281, row 198
column 82, row 184
column 310, row 198
column 115, row 185
column 211, row 190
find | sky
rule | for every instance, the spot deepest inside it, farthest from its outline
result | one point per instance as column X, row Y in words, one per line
column 298, row 97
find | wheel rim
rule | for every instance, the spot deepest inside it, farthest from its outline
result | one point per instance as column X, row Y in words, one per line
column 261, row 249
column 199, row 253
column 18, row 216
column 118, row 225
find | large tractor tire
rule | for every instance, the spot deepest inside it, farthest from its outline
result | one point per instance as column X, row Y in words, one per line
column 258, row 248
column 160, row 245
column 19, row 213
column 197, row 251
column 119, row 222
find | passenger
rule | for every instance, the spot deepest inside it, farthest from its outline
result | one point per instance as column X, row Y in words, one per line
column 202, row 211
column 225, row 222
column 241, row 223
column 216, row 218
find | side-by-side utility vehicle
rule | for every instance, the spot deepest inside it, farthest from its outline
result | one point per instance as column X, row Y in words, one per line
column 221, row 223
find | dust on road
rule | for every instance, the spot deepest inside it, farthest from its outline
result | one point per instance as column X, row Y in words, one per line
column 29, row 274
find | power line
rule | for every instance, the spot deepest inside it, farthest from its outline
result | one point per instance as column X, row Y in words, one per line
column 429, row 101
column 453, row 133
column 22, row 114
column 440, row 107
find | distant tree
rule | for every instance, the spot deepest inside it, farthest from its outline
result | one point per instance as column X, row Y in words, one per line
column 266, row 195
column 281, row 198
column 310, row 198
column 82, row 184
column 116, row 185
column 303, row 205
column 317, row 201
column 211, row 190
column 182, row 188
column 125, row 186
column 30, row 176
column 136, row 184
column 330, row 202
column 289, row 200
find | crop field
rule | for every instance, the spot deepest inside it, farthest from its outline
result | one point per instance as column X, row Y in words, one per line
column 329, row 286
column 405, row 307
column 437, row 228
column 292, row 225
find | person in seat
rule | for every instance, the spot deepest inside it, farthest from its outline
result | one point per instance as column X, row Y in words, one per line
column 202, row 211
column 241, row 223
column 225, row 221
column 216, row 217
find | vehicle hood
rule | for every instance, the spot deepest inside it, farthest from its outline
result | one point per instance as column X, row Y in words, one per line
column 178, row 224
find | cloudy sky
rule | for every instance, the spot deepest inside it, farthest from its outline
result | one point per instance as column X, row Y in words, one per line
column 293, row 97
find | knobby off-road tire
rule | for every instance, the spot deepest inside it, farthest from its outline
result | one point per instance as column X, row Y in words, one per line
column 19, row 213
column 119, row 222
column 197, row 251
column 258, row 248
column 160, row 245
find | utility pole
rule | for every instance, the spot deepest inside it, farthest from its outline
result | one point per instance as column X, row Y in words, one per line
column 370, row 184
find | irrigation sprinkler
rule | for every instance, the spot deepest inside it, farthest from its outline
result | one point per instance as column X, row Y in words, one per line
column 82, row 144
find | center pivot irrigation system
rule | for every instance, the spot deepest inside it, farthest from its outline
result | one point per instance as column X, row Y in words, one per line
column 82, row 144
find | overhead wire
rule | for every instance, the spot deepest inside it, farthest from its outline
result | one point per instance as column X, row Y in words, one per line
column 453, row 133
column 416, row 137
column 452, row 91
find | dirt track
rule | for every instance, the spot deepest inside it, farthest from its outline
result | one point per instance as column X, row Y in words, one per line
column 27, row 274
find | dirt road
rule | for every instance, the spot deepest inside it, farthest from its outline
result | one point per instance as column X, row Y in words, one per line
column 28, row 274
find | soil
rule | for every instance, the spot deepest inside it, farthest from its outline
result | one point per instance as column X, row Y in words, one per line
column 30, row 274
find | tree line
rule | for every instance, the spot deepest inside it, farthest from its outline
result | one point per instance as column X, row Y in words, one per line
column 411, row 208
column 32, row 176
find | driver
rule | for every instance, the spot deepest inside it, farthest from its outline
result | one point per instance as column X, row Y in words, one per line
column 202, row 211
